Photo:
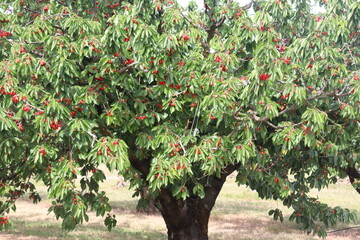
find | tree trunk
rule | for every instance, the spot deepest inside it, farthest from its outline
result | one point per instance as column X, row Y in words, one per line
column 353, row 174
column 185, row 219
column 188, row 219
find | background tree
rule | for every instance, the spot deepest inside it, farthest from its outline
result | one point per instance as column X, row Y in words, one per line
column 176, row 100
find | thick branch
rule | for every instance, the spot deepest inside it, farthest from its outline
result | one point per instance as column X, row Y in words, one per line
column 10, row 177
column 212, row 191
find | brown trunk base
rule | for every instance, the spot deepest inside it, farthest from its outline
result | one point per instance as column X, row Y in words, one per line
column 188, row 219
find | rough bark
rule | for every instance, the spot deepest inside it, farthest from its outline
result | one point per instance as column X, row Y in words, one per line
column 353, row 174
column 185, row 219
column 188, row 219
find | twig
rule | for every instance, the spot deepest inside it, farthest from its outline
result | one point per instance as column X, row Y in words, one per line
column 182, row 147
column 37, row 53
column 281, row 126
column 28, row 23
column 28, row 104
column 127, row 67
column 248, row 6
column 30, row 10
column 94, row 138
column 32, row 42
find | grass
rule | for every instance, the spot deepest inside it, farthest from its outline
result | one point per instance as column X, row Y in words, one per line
column 238, row 215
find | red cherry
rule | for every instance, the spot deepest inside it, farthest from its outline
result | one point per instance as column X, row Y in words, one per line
column 162, row 83
column 264, row 77
column 43, row 152
column 26, row 109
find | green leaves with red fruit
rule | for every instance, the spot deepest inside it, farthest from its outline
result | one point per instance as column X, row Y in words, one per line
column 176, row 99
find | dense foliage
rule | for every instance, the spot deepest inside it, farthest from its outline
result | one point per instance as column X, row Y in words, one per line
column 175, row 100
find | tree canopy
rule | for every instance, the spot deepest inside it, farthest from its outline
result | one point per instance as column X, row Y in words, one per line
column 176, row 99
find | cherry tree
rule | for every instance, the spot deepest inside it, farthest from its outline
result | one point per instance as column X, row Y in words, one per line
column 176, row 99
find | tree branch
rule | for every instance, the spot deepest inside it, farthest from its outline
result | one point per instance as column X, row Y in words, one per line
column 32, row 42
column 94, row 138
column 30, row 10
column 248, row 6
column 127, row 67
column 189, row 20
column 353, row 174
column 36, row 108
column 212, row 191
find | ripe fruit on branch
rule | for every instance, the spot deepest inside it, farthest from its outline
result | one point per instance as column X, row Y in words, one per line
column 218, row 59
column 3, row 220
column 55, row 125
column 264, row 77
column 22, row 50
column 26, row 108
column 4, row 34
column 15, row 99
column 42, row 152
column 162, row 83
column 129, row 61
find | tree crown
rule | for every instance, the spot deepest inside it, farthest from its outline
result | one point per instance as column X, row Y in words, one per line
column 174, row 98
